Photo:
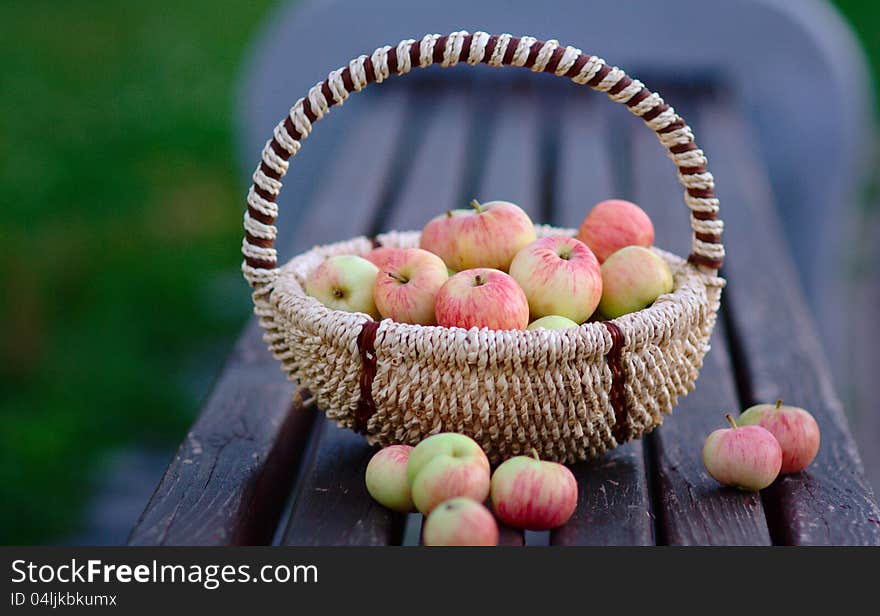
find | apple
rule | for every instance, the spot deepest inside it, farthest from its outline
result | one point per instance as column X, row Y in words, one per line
column 386, row 478
column 344, row 282
column 745, row 457
column 437, row 236
column 613, row 224
column 533, row 494
column 490, row 235
column 552, row 321
column 460, row 521
column 632, row 278
column 407, row 286
column 444, row 466
column 482, row 298
column 379, row 256
column 794, row 428
column 560, row 276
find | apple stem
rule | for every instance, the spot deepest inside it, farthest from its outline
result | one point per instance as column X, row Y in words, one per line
column 535, row 454
column 448, row 213
column 476, row 205
column 731, row 421
column 779, row 403
column 478, row 279
column 398, row 278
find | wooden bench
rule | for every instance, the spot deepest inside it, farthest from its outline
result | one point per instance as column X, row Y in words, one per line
column 256, row 468
column 261, row 465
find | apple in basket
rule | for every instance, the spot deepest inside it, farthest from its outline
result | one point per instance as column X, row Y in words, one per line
column 533, row 494
column 386, row 478
column 379, row 256
column 552, row 321
column 490, row 235
column 613, row 224
column 460, row 521
column 794, row 428
column 444, row 466
column 482, row 298
column 560, row 276
column 344, row 282
column 632, row 278
column 407, row 285
column 745, row 457
column 438, row 234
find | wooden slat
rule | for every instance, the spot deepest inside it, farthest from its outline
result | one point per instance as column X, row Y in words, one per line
column 691, row 508
column 777, row 350
column 614, row 505
column 227, row 482
column 330, row 503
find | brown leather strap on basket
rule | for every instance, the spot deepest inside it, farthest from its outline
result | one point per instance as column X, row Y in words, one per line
column 617, row 395
column 366, row 406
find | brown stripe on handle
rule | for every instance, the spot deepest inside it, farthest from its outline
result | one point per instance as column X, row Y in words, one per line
column 366, row 406
column 262, row 242
column 491, row 44
column 260, row 263
column 291, row 129
column 259, row 216
column 709, row 238
column 346, row 79
column 639, row 97
column 439, row 49
column 683, row 147
column 265, row 194
column 534, row 50
column 512, row 44
column 466, row 48
column 415, row 52
column 704, row 193
column 617, row 395
column 598, row 77
column 653, row 113
column 307, row 109
column 692, row 170
column 679, row 123
column 269, row 171
column 279, row 149
column 369, row 70
column 575, row 69
column 709, row 262
column 392, row 60
column 704, row 215
column 555, row 59
column 620, row 86
column 327, row 92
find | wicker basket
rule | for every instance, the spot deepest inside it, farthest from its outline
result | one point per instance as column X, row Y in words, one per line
column 570, row 394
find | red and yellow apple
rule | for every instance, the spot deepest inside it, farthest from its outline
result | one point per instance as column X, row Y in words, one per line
column 460, row 521
column 482, row 298
column 490, row 235
column 437, row 236
column 560, row 276
column 613, row 224
column 444, row 466
column 794, row 428
column 344, row 282
column 379, row 256
column 533, row 494
column 632, row 278
column 744, row 457
column 386, row 478
column 407, row 286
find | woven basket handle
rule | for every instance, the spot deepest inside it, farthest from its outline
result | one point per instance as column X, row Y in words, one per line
column 260, row 258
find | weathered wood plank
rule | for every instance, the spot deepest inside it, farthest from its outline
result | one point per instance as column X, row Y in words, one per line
column 691, row 508
column 777, row 350
column 614, row 504
column 226, row 484
column 330, row 503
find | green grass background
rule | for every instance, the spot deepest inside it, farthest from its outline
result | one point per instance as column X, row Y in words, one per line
column 120, row 204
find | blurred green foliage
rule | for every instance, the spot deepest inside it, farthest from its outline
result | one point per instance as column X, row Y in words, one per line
column 120, row 221
column 120, row 199
column 864, row 17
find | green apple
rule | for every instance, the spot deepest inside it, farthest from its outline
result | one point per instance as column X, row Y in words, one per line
column 552, row 321
column 386, row 478
column 345, row 282
column 632, row 278
column 444, row 466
